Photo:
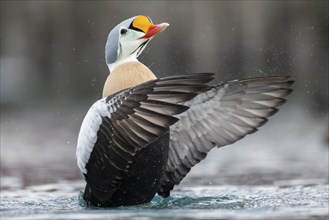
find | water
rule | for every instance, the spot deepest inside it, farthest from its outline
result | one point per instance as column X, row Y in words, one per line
column 280, row 172
column 62, row 201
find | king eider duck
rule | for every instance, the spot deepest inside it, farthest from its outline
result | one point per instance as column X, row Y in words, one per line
column 146, row 133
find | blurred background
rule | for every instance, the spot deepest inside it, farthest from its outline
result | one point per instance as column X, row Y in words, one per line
column 53, row 69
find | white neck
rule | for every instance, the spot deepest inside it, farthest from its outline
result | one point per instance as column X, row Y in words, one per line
column 130, row 58
column 128, row 54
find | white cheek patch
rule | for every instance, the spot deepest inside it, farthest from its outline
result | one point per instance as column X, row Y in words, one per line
column 129, row 48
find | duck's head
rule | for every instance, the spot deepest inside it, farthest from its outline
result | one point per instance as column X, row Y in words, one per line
column 128, row 39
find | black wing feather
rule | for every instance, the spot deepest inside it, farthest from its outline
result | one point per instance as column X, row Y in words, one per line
column 136, row 117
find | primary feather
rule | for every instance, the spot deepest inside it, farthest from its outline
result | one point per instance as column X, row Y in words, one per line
column 217, row 117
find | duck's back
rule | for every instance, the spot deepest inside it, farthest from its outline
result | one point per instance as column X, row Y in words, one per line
column 142, row 181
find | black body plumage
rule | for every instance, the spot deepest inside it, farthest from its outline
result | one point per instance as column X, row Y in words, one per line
column 143, row 179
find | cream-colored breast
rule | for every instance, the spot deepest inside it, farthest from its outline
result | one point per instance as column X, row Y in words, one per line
column 125, row 76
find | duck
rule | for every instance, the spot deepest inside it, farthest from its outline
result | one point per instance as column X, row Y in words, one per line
column 146, row 133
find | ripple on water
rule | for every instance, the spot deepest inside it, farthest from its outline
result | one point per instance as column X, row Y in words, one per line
column 179, row 201
column 63, row 202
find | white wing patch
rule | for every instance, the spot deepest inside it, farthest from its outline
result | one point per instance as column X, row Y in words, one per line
column 89, row 128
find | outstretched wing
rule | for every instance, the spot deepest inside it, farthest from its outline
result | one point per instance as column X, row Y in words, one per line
column 218, row 117
column 118, row 126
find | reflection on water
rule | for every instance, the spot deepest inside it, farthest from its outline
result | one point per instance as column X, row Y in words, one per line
column 183, row 201
column 61, row 201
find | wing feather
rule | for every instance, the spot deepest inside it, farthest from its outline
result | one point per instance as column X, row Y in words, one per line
column 118, row 126
column 220, row 116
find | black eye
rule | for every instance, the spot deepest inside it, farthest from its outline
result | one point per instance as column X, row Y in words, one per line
column 123, row 31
